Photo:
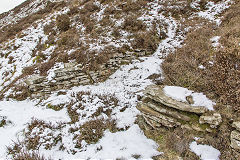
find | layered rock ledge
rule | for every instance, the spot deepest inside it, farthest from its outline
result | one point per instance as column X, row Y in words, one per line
column 159, row 110
column 73, row 74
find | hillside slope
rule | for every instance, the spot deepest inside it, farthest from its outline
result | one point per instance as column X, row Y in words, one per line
column 73, row 72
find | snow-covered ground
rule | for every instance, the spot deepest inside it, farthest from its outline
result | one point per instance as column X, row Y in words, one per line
column 125, row 84
column 18, row 114
column 205, row 152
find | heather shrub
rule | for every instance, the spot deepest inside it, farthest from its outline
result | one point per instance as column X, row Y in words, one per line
column 63, row 22
column 44, row 67
column 25, row 155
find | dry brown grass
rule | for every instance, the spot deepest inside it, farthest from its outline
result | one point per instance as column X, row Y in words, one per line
column 181, row 68
column 44, row 67
column 10, row 31
column 93, row 130
column 219, row 80
column 24, row 155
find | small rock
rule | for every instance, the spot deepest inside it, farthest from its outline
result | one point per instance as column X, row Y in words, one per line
column 214, row 120
column 35, row 79
column 235, row 139
column 236, row 125
column 190, row 99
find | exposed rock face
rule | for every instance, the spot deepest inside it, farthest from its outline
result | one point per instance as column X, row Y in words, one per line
column 74, row 75
column 235, row 136
column 160, row 110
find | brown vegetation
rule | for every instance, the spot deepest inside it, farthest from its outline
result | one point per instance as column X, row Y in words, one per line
column 218, row 78
column 63, row 22
column 11, row 30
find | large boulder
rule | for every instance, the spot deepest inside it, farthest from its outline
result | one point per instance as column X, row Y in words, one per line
column 157, row 94
column 160, row 110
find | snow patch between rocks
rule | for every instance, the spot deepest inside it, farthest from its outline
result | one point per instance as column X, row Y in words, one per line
column 205, row 152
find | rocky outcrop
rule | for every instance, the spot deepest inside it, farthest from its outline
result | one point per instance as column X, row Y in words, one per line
column 74, row 74
column 160, row 110
column 157, row 94
column 235, row 136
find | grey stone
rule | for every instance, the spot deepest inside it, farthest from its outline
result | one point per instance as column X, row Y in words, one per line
column 156, row 93
column 235, row 139
column 235, row 135
column 69, row 65
column 35, row 79
column 214, row 120
column 166, row 111
column 158, row 117
column 236, row 125
column 84, row 82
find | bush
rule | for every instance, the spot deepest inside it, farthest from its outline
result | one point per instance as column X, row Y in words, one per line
column 93, row 130
column 24, row 155
column 69, row 39
column 73, row 11
column 28, row 70
column 80, row 56
column 48, row 28
column 147, row 41
column 63, row 22
column 134, row 25
column 91, row 7
column 44, row 67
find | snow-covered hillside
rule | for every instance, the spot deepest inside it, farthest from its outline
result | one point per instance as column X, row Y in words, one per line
column 57, row 132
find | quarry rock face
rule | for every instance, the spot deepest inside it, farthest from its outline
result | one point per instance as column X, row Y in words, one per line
column 160, row 110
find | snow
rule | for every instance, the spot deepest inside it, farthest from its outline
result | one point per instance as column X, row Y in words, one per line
column 12, row 18
column 201, row 100
column 205, row 152
column 215, row 41
column 132, row 142
column 124, row 84
column 177, row 93
column 213, row 10
column 21, row 113
column 201, row 67
column 123, row 144
column 22, row 55
column 6, row 5
column 180, row 94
